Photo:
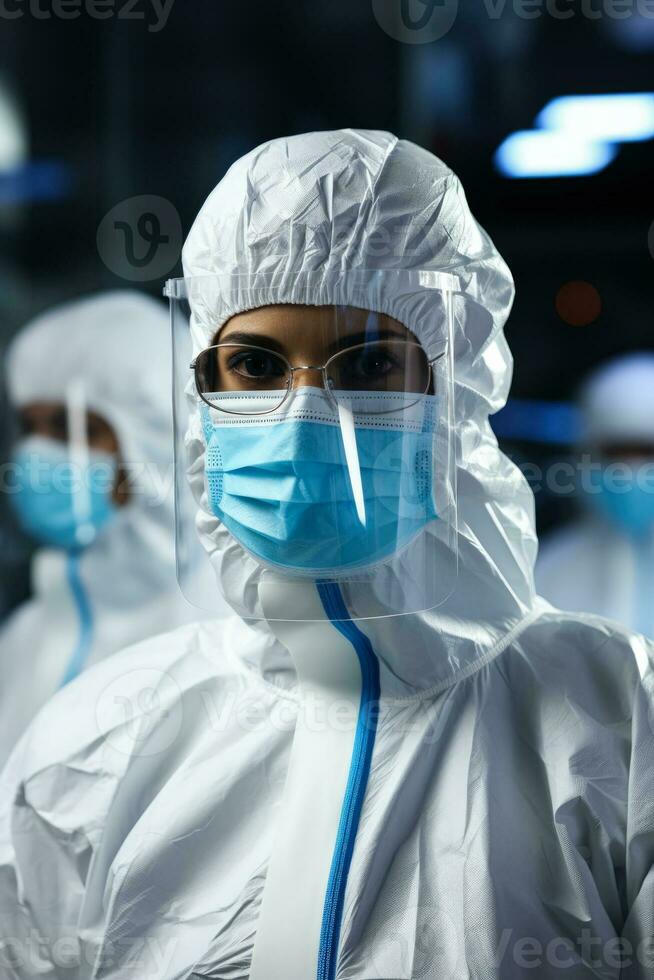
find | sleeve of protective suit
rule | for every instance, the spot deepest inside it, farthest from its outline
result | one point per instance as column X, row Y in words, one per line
column 36, row 932
column 45, row 853
column 57, row 788
column 638, row 933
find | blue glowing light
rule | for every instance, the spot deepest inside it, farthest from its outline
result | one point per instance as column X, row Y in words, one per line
column 542, row 153
column 617, row 118
column 40, row 180
column 523, row 419
column 577, row 135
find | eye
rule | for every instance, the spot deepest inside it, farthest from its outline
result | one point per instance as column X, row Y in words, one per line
column 257, row 365
column 368, row 364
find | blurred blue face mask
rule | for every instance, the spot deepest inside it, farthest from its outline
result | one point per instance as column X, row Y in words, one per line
column 293, row 495
column 59, row 502
column 628, row 506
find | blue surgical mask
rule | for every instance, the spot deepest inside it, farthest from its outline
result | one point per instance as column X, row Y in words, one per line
column 59, row 502
column 631, row 511
column 283, row 487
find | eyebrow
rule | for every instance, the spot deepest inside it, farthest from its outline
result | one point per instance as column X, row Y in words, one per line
column 256, row 339
column 349, row 340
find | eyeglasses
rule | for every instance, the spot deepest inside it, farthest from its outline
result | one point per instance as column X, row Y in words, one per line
column 383, row 366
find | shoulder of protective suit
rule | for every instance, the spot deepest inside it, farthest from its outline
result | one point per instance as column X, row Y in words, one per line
column 585, row 648
column 119, row 700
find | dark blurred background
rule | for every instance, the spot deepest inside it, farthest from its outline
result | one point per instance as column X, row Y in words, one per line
column 96, row 111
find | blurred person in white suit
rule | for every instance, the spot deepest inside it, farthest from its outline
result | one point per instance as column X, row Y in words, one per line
column 604, row 561
column 90, row 480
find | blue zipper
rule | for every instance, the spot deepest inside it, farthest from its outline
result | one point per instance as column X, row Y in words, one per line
column 81, row 651
column 357, row 782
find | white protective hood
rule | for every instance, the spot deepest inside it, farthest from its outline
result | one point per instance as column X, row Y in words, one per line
column 617, row 401
column 332, row 202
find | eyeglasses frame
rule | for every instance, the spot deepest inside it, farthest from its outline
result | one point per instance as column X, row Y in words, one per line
column 309, row 367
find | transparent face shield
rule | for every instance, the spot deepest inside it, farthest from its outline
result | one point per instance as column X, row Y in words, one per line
column 313, row 440
column 60, row 478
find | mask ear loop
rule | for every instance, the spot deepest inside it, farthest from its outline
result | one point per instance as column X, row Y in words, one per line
column 79, row 457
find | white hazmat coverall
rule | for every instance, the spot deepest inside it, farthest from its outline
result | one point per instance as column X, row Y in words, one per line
column 504, row 825
column 122, row 587
column 604, row 562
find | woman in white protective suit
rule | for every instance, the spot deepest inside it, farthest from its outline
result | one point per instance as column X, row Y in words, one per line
column 90, row 480
column 382, row 766
column 604, row 561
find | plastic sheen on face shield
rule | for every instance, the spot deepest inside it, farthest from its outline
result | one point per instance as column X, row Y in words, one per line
column 317, row 436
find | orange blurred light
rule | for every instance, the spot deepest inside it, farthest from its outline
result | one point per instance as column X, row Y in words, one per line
column 578, row 303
